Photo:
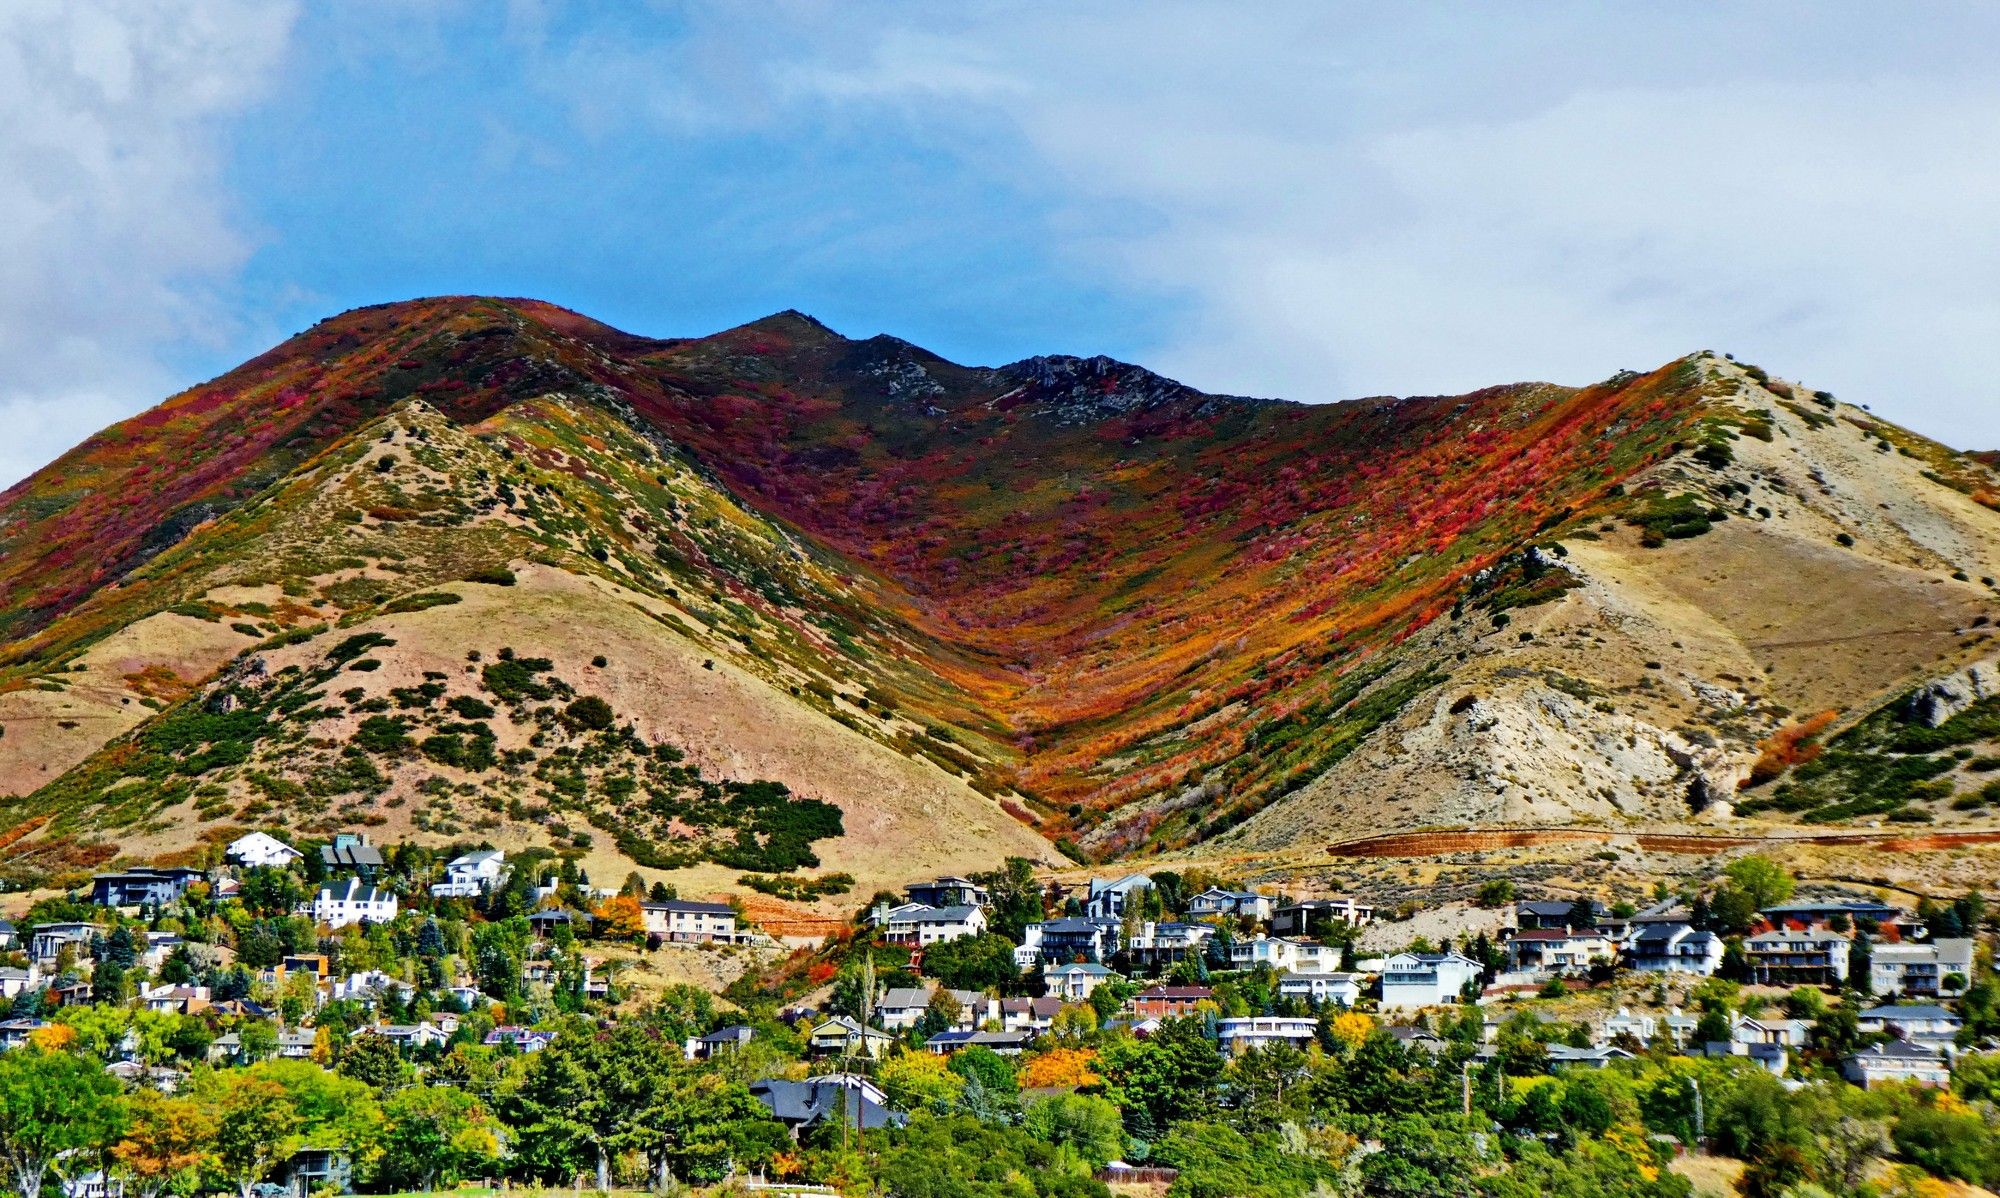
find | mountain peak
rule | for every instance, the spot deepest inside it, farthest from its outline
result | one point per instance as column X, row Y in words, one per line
column 793, row 325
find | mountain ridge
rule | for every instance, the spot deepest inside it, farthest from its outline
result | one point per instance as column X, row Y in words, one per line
column 1129, row 613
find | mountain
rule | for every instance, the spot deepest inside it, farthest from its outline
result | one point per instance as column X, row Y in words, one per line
column 480, row 569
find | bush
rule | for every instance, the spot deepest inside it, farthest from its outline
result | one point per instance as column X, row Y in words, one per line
column 499, row 576
column 592, row 713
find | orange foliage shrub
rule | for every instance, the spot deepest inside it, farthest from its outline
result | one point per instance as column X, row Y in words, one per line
column 1787, row 747
column 1066, row 1067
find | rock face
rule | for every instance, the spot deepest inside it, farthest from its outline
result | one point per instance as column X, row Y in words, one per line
column 1937, row 701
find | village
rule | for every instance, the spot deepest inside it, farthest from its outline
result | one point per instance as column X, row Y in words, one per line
column 402, row 965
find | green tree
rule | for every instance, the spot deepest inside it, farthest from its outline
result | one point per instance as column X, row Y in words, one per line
column 434, row 1135
column 374, row 1061
column 1167, row 1077
column 983, row 962
column 1763, row 880
column 1085, row 1123
column 53, row 1105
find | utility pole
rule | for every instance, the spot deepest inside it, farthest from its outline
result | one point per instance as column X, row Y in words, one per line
column 1465, row 1083
column 1700, row 1125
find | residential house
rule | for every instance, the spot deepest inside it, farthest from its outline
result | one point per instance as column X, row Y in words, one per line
column 1925, row 1024
column 1814, row 914
column 95, row 1183
column 1557, row 951
column 1530, row 914
column 15, row 1032
column 1028, row 1014
column 950, row 891
column 9, row 935
column 903, row 1007
column 917, row 925
column 1639, row 1028
column 472, row 874
column 1217, row 903
column 1672, row 948
column 1898, row 1061
column 409, row 1036
column 1939, row 969
column 1238, row 1036
column 159, row 946
column 174, row 1000
column 370, row 987
column 1418, row 1037
column 1412, row 981
column 544, row 923
column 351, row 853
column 1074, row 983
column 14, row 981
column 1307, row 915
column 141, row 887
column 1159, row 945
column 841, row 1036
column 261, row 850
column 1168, row 1002
column 1073, row 939
column 1797, row 957
column 1595, row 1057
column 1321, row 988
column 1284, row 956
column 802, row 1106
column 1107, row 900
column 1007, row 1044
column 680, row 921
column 351, row 901
column 524, row 1039
column 1785, row 1033
column 721, row 1040
column 51, row 938
column 297, row 1044
column 317, row 1169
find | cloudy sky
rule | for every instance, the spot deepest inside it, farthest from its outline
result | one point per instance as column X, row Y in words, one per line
column 1308, row 200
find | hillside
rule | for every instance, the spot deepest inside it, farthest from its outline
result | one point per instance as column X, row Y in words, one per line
column 378, row 575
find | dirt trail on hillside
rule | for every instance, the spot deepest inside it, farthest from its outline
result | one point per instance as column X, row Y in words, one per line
column 1437, row 844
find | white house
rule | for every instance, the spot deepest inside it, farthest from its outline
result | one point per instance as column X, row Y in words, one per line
column 1927, row 1024
column 1557, row 950
column 261, row 849
column 350, row 901
column 901, row 1007
column 1258, row 1031
column 1672, row 948
column 1939, row 969
column 1157, row 944
column 408, row 1035
column 1898, row 1061
column 1074, row 983
column 1300, row 918
column 687, row 922
column 1792, row 957
column 1639, row 1027
column 1216, row 903
column 369, row 986
column 471, row 875
column 919, row 925
column 1412, row 981
column 1107, row 900
column 1342, row 988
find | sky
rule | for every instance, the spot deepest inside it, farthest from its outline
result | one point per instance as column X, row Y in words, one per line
column 1315, row 201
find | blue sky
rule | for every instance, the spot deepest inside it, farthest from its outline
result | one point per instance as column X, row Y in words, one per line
column 1308, row 200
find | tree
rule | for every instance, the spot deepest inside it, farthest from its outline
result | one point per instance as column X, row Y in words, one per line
column 1084, row 1122
column 52, row 1105
column 166, row 1143
column 1763, row 880
column 622, row 918
column 1164, row 1078
column 980, row 962
column 1059, row 1068
column 1496, row 892
column 256, row 1127
column 920, row 1081
column 374, row 1061
column 433, row 1135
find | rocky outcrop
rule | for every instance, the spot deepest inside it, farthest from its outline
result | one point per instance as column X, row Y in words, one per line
column 1937, row 701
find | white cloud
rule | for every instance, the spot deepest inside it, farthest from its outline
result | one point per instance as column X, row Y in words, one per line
column 114, row 224
column 1439, row 199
